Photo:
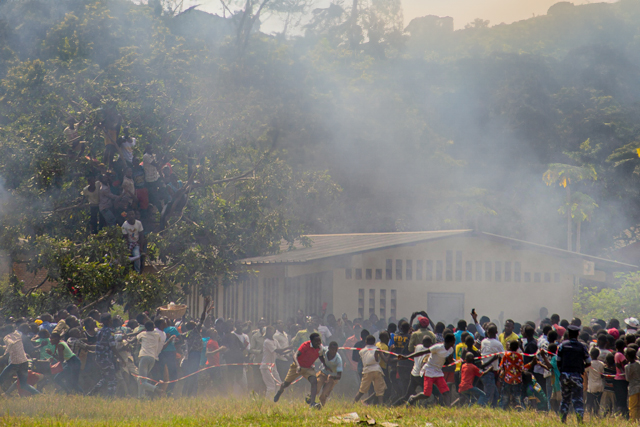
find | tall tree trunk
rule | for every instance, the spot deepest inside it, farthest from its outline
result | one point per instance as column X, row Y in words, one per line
column 354, row 23
column 569, row 225
column 578, row 236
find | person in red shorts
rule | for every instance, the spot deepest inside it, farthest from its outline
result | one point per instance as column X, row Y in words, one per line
column 441, row 354
column 302, row 366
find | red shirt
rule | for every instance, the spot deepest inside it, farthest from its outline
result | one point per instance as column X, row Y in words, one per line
column 512, row 365
column 308, row 354
column 214, row 359
column 467, row 374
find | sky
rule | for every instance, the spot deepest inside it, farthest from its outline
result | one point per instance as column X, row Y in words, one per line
column 462, row 11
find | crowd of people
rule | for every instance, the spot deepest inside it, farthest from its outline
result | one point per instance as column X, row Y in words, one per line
column 121, row 185
column 549, row 365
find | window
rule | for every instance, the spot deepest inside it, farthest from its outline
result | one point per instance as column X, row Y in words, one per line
column 458, row 266
column 468, row 273
column 498, row 271
column 487, row 271
column 547, row 277
column 372, row 301
column 516, row 271
column 438, row 270
column 449, row 266
column 428, row 272
column 378, row 274
column 389, row 268
column 383, row 303
column 392, row 308
column 347, row 273
column 419, row 269
column 536, row 277
column 368, row 274
column 507, row 271
column 527, row 277
column 360, row 303
column 556, row 277
column 478, row 271
column 358, row 274
column 398, row 269
column 409, row 273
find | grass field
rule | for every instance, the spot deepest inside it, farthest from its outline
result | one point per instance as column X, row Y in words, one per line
column 54, row 410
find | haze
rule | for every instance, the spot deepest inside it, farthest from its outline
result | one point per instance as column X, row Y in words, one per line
column 496, row 11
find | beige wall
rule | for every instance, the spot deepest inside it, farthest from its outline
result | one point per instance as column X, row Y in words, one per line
column 520, row 301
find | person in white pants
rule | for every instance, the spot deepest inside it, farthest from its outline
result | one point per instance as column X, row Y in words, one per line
column 270, row 349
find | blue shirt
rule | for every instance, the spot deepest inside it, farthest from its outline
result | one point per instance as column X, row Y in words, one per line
column 458, row 334
column 171, row 330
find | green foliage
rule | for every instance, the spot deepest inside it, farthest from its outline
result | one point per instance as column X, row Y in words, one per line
column 354, row 126
column 609, row 303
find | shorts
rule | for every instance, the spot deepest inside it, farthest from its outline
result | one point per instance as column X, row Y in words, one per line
column 375, row 377
column 143, row 198
column 293, row 373
column 110, row 137
column 438, row 381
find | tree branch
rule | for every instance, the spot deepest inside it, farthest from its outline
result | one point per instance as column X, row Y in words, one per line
column 98, row 301
column 37, row 287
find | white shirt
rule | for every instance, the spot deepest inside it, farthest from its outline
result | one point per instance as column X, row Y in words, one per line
column 335, row 364
column 163, row 335
column 15, row 348
column 283, row 342
column 543, row 344
column 269, row 348
column 150, row 344
column 492, row 346
column 418, row 361
column 433, row 367
column 594, row 372
column 132, row 231
column 126, row 148
column 325, row 333
column 369, row 362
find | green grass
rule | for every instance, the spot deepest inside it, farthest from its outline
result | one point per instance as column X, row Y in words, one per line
column 52, row 410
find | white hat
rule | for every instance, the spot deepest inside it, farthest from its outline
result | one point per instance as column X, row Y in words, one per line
column 632, row 322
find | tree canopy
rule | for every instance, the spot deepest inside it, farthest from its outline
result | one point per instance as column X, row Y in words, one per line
column 351, row 124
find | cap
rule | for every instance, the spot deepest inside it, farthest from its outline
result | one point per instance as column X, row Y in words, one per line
column 573, row 327
column 632, row 322
column 614, row 333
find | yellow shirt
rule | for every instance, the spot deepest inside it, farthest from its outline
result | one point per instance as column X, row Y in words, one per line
column 459, row 349
column 504, row 341
column 382, row 346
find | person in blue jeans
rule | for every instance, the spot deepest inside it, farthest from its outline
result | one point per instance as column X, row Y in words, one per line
column 490, row 346
column 69, row 377
column 468, row 373
column 18, row 361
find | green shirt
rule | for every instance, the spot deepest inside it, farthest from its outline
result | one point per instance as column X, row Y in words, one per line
column 46, row 345
column 66, row 351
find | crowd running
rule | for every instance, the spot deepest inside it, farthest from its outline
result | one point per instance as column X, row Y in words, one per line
column 551, row 364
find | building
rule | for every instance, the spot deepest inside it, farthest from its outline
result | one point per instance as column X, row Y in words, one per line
column 394, row 274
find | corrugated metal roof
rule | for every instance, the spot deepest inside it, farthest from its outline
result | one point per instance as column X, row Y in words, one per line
column 331, row 245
